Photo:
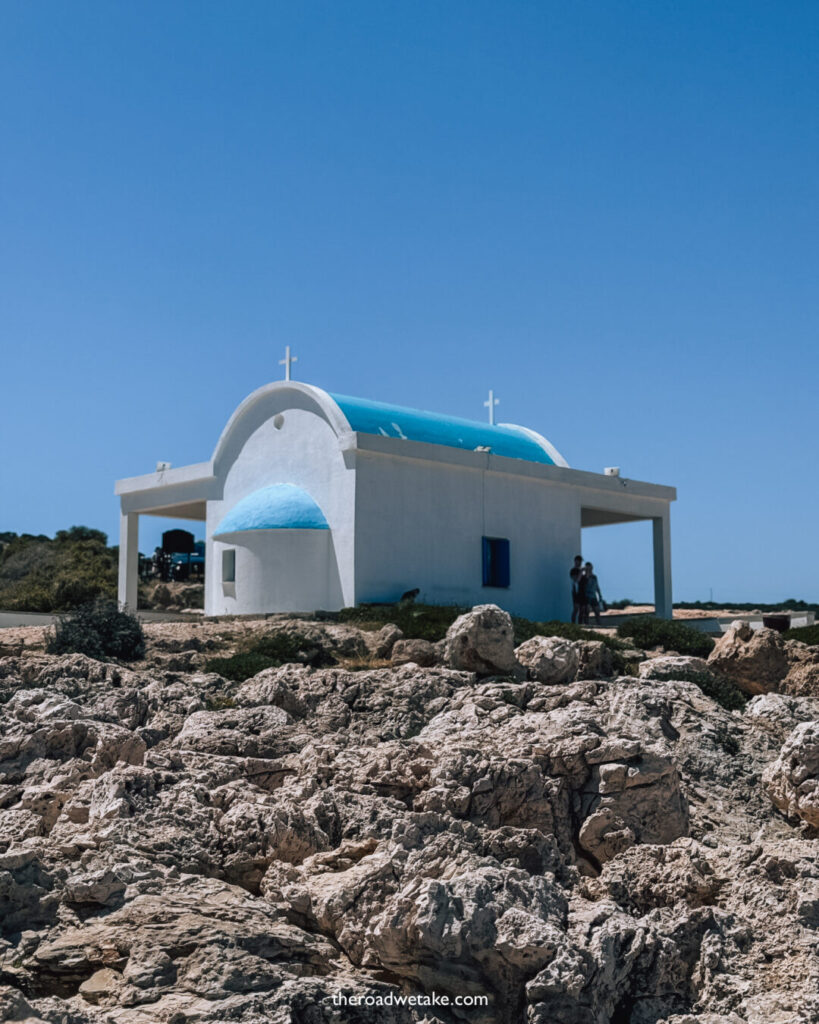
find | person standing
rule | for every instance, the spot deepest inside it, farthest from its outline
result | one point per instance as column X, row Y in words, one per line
column 574, row 575
column 594, row 598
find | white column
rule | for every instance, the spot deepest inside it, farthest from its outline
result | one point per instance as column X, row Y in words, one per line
column 662, row 566
column 128, row 560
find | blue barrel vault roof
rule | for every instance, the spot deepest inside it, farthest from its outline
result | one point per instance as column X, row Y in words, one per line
column 513, row 442
column 278, row 507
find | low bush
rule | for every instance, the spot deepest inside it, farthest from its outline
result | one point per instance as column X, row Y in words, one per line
column 240, row 666
column 648, row 633
column 805, row 634
column 717, row 687
column 723, row 691
column 270, row 651
column 100, row 630
column 416, row 621
column 292, row 647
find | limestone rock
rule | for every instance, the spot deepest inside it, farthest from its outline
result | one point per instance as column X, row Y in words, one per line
column 594, row 659
column 549, row 659
column 102, row 987
column 802, row 679
column 248, row 732
column 793, row 779
column 673, row 667
column 15, row 1008
column 419, row 652
column 779, row 713
column 755, row 660
column 482, row 641
column 381, row 644
column 602, row 850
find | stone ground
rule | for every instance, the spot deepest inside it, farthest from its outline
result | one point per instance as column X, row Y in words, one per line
column 518, row 827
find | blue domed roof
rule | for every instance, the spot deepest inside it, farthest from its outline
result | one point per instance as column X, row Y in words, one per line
column 278, row 507
column 513, row 442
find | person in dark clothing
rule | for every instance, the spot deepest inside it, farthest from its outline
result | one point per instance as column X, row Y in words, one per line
column 594, row 598
column 582, row 599
column 574, row 574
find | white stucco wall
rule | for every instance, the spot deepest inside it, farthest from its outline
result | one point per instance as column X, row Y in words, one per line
column 420, row 524
column 284, row 445
column 278, row 570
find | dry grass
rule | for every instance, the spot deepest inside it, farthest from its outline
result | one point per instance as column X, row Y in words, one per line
column 363, row 663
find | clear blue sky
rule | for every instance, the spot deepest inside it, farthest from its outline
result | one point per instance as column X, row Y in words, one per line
column 605, row 211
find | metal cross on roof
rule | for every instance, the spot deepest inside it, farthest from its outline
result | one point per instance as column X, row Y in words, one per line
column 287, row 362
column 492, row 402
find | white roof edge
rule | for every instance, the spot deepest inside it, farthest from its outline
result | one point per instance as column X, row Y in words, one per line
column 336, row 418
column 166, row 477
column 428, row 452
column 540, row 440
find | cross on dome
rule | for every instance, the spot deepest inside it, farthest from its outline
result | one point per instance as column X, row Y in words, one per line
column 492, row 402
column 287, row 362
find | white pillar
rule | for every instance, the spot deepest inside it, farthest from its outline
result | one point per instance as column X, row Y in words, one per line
column 128, row 560
column 662, row 566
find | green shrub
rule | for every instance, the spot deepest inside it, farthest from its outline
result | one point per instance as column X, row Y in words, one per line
column 283, row 648
column 270, row 651
column 723, row 691
column 100, row 630
column 240, row 666
column 416, row 621
column 674, row 636
column 715, row 686
column 42, row 575
column 805, row 634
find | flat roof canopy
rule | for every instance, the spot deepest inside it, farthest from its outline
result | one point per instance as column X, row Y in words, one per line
column 605, row 517
column 192, row 510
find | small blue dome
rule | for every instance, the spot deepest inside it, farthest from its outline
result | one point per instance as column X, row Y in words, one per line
column 279, row 507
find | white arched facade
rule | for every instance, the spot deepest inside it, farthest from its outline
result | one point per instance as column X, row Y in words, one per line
column 283, row 434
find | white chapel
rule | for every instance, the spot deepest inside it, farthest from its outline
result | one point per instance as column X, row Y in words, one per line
column 317, row 501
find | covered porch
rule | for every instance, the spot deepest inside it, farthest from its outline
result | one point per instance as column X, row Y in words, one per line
column 170, row 494
column 632, row 509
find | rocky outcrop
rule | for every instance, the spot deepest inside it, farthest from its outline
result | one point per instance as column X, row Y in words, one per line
column 595, row 660
column 793, row 779
column 674, row 666
column 419, row 652
column 176, row 848
column 549, row 659
column 382, row 643
column 802, row 679
column 482, row 641
column 762, row 661
column 755, row 660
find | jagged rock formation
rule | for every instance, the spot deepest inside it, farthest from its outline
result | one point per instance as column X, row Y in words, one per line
column 322, row 845
column 761, row 661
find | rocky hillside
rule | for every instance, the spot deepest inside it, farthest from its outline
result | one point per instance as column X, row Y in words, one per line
column 416, row 833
